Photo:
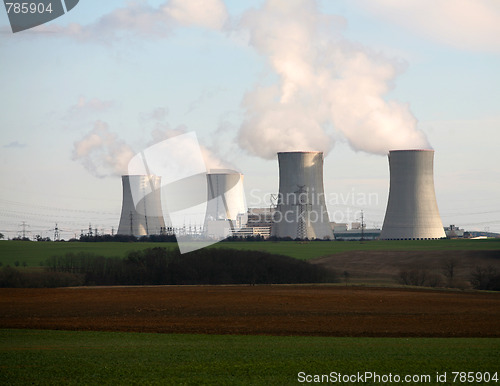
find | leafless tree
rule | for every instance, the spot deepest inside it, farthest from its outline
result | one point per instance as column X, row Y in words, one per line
column 449, row 268
column 485, row 278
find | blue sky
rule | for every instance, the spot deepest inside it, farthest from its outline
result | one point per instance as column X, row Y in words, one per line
column 125, row 71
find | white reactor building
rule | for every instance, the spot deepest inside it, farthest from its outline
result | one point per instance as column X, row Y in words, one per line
column 141, row 207
column 301, row 208
column 412, row 211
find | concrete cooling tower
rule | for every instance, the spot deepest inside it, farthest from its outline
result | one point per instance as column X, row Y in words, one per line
column 301, row 209
column 226, row 207
column 141, row 206
column 412, row 212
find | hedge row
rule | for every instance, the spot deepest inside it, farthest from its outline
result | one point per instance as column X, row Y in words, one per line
column 156, row 266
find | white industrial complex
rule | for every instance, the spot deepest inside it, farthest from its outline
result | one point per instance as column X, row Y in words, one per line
column 300, row 210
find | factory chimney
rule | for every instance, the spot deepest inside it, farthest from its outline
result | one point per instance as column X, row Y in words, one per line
column 141, row 206
column 301, row 209
column 412, row 212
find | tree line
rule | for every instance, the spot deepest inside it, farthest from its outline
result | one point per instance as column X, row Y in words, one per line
column 480, row 278
column 159, row 266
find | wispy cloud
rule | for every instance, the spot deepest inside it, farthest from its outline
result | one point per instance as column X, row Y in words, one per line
column 465, row 24
column 156, row 115
column 211, row 14
column 14, row 145
column 140, row 19
column 85, row 106
column 204, row 96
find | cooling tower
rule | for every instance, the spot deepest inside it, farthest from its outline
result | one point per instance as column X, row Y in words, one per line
column 225, row 203
column 412, row 212
column 141, row 206
column 301, row 209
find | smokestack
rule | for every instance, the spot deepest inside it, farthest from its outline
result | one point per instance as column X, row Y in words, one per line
column 412, row 212
column 141, row 206
column 226, row 207
column 301, row 209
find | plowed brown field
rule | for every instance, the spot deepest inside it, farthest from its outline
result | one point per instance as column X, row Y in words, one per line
column 277, row 310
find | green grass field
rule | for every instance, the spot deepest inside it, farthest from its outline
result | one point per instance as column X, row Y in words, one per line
column 63, row 357
column 311, row 250
column 35, row 253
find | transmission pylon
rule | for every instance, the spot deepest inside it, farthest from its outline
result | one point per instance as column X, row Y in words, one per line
column 303, row 208
column 56, row 233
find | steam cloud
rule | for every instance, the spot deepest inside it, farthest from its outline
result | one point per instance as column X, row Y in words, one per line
column 102, row 153
column 327, row 86
column 322, row 87
column 212, row 161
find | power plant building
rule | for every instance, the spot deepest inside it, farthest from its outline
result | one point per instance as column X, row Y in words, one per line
column 300, row 211
column 412, row 211
column 358, row 231
column 141, row 206
column 301, row 208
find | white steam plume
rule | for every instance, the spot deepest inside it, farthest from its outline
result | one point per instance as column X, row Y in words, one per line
column 102, row 153
column 212, row 161
column 327, row 86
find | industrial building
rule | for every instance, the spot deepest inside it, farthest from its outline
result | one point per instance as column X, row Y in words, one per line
column 141, row 206
column 357, row 231
column 259, row 222
column 454, row 232
column 412, row 211
column 264, row 232
column 301, row 209
column 260, row 217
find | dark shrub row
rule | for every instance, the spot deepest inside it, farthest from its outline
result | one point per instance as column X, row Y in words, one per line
column 127, row 238
column 481, row 278
column 485, row 278
column 206, row 266
column 14, row 278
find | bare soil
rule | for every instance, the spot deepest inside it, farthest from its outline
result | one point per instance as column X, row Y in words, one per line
column 275, row 310
column 383, row 267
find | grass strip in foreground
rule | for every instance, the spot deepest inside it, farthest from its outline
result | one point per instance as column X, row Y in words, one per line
column 64, row 357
